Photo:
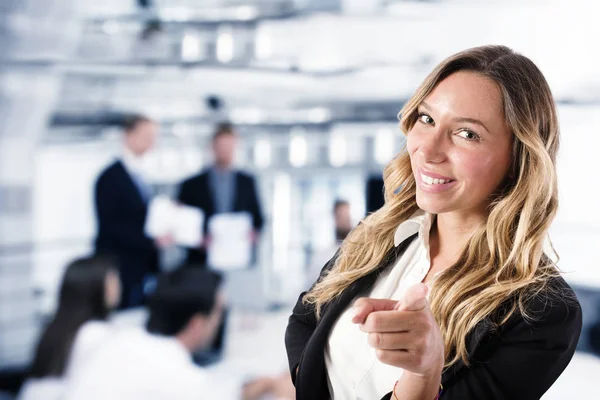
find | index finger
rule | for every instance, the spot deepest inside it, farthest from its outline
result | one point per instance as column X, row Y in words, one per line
column 365, row 306
column 390, row 321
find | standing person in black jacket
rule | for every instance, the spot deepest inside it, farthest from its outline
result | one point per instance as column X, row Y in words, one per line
column 446, row 292
column 221, row 189
column 121, row 200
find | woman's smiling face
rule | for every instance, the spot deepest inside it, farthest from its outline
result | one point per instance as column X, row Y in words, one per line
column 460, row 146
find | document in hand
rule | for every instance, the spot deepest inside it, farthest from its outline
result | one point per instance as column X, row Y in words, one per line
column 184, row 223
column 230, row 246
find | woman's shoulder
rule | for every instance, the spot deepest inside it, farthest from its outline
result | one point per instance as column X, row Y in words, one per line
column 556, row 299
column 92, row 332
column 89, row 337
column 554, row 308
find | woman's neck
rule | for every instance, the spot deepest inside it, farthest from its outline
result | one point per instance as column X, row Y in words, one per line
column 450, row 233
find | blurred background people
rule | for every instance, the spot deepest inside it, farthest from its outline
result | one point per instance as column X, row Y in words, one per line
column 121, row 200
column 343, row 220
column 221, row 189
column 90, row 289
column 156, row 363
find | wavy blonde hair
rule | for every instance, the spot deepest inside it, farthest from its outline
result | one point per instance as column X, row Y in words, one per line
column 504, row 264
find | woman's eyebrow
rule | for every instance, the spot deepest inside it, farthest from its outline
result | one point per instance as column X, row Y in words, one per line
column 472, row 121
column 458, row 119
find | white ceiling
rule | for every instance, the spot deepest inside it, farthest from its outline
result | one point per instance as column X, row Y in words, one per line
column 373, row 50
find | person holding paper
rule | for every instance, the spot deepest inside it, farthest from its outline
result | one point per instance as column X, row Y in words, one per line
column 447, row 292
column 121, row 197
column 221, row 189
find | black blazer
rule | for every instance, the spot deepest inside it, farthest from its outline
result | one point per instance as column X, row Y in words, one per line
column 121, row 215
column 519, row 361
column 197, row 192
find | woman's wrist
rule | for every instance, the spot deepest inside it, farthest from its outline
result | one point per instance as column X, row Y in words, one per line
column 416, row 386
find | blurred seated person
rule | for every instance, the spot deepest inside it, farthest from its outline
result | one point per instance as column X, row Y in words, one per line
column 90, row 289
column 156, row 363
column 342, row 225
column 221, row 189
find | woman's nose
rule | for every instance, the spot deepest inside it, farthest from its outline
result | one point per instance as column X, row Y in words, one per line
column 433, row 147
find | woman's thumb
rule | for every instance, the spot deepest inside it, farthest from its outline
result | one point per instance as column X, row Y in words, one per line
column 415, row 298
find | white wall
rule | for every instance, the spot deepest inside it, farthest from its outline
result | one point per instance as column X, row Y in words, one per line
column 576, row 232
column 63, row 215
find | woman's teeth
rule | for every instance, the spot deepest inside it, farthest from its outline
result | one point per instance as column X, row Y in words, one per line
column 433, row 181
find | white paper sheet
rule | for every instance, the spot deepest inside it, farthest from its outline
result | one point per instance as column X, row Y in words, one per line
column 230, row 246
column 166, row 217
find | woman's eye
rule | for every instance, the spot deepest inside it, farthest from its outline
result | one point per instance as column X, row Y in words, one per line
column 468, row 134
column 426, row 119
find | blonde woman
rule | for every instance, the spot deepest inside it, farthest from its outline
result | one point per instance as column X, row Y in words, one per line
column 446, row 291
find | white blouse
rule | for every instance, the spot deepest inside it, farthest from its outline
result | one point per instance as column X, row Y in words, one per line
column 87, row 341
column 134, row 364
column 352, row 366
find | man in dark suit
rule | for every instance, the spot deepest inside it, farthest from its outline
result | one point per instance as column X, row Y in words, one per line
column 121, row 201
column 221, row 189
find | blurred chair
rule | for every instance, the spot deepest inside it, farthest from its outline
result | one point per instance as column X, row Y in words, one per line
column 375, row 199
column 594, row 338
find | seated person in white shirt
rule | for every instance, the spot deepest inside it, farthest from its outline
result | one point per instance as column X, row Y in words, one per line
column 90, row 289
column 156, row 363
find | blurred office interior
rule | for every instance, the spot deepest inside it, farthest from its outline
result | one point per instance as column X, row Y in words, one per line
column 312, row 87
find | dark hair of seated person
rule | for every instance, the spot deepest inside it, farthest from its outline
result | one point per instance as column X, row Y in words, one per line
column 180, row 295
column 81, row 299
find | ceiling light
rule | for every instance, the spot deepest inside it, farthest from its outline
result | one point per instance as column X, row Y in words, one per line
column 190, row 47
column 338, row 150
column 264, row 43
column 298, row 148
column 262, row 153
column 225, row 44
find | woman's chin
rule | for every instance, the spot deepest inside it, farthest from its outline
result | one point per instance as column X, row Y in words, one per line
column 431, row 206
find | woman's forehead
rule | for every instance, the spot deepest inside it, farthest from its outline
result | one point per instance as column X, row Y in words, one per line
column 468, row 95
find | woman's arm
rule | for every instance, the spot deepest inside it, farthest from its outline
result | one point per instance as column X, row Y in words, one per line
column 521, row 362
column 530, row 357
column 301, row 325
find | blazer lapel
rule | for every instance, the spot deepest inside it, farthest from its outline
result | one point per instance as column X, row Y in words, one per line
column 134, row 191
column 473, row 340
column 311, row 382
column 205, row 192
column 237, row 200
